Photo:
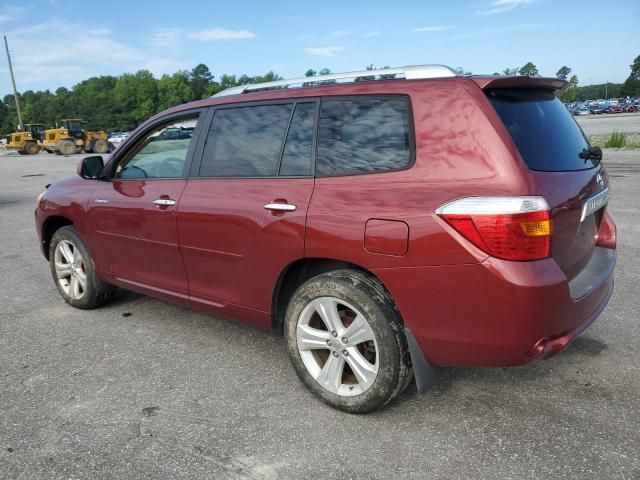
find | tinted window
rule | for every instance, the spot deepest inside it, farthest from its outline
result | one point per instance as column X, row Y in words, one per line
column 361, row 136
column 161, row 153
column 547, row 136
column 245, row 141
column 296, row 158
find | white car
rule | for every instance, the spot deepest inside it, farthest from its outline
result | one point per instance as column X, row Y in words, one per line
column 117, row 139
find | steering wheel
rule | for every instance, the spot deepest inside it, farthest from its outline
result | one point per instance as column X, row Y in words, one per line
column 144, row 173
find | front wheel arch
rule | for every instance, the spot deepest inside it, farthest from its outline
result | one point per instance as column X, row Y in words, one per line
column 50, row 226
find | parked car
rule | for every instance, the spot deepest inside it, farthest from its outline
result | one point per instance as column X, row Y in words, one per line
column 117, row 138
column 584, row 110
column 615, row 109
column 596, row 109
column 381, row 231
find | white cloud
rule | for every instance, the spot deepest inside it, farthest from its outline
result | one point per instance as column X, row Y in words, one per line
column 8, row 14
column 501, row 6
column 371, row 34
column 216, row 34
column 330, row 51
column 437, row 28
column 95, row 51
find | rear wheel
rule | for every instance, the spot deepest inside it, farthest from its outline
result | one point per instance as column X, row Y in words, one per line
column 100, row 146
column 346, row 341
column 73, row 271
column 31, row 148
column 67, row 147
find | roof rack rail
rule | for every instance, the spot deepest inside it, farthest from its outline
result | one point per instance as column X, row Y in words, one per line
column 412, row 72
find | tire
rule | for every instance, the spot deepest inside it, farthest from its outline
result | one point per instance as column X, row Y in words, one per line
column 64, row 249
column 100, row 146
column 67, row 147
column 350, row 295
column 31, row 148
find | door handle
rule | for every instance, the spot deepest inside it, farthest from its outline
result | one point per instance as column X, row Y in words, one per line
column 164, row 202
column 280, row 207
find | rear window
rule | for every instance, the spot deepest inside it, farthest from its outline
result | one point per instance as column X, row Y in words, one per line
column 366, row 135
column 547, row 136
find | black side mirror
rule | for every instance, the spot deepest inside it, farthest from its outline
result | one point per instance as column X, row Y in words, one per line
column 91, row 167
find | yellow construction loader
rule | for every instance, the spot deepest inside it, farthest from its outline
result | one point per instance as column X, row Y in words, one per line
column 26, row 142
column 73, row 137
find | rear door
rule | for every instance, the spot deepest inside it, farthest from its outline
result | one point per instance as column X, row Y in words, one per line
column 242, row 216
column 555, row 149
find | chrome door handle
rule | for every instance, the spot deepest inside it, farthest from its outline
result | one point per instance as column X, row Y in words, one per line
column 164, row 202
column 280, row 207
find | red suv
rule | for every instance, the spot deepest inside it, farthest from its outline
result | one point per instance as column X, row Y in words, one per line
column 385, row 221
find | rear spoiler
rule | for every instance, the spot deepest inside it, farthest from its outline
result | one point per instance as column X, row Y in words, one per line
column 500, row 81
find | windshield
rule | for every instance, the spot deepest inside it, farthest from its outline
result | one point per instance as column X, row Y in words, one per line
column 547, row 136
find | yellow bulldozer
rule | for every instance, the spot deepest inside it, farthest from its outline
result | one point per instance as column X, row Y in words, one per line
column 73, row 137
column 27, row 141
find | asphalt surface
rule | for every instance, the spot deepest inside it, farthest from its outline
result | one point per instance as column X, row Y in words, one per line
column 145, row 389
column 604, row 124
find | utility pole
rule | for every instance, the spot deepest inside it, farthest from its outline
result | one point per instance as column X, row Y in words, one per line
column 13, row 81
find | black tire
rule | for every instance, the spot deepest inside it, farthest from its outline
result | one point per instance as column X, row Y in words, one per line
column 100, row 146
column 369, row 297
column 31, row 148
column 96, row 292
column 67, row 147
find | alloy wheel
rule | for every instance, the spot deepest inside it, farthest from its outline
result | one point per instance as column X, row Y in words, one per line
column 337, row 346
column 70, row 269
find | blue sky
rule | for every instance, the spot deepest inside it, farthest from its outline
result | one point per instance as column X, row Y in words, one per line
column 60, row 42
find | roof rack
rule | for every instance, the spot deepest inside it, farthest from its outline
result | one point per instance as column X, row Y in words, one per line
column 412, row 72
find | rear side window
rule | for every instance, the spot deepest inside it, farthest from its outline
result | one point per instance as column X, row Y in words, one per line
column 298, row 149
column 245, row 141
column 366, row 135
column 547, row 136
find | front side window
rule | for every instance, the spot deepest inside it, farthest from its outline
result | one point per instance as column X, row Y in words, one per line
column 366, row 135
column 162, row 153
column 246, row 141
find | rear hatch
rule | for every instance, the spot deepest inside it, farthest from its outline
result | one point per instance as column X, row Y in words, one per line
column 556, row 151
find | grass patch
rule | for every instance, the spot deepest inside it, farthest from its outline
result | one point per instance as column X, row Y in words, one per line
column 616, row 140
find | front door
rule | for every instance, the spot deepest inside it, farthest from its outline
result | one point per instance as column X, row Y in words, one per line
column 134, row 212
column 242, row 216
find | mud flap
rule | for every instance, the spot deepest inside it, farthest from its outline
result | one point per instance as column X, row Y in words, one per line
column 424, row 373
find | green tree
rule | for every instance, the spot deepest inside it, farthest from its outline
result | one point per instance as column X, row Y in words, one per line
column 174, row 90
column 571, row 92
column 563, row 73
column 511, row 71
column 200, row 78
column 631, row 86
column 528, row 69
column 138, row 97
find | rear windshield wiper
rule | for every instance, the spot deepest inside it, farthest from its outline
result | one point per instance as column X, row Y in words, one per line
column 592, row 153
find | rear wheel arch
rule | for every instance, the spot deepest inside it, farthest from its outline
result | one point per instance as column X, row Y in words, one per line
column 298, row 272
column 50, row 226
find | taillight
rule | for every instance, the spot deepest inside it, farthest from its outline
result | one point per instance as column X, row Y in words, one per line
column 511, row 228
column 606, row 236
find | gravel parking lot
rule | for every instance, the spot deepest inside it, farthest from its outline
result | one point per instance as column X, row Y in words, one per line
column 145, row 389
column 599, row 127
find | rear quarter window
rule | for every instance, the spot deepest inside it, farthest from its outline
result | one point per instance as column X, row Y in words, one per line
column 546, row 135
column 367, row 135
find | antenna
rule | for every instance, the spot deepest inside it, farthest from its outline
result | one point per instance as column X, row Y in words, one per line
column 13, row 80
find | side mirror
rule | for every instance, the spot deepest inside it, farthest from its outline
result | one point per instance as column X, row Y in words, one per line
column 91, row 167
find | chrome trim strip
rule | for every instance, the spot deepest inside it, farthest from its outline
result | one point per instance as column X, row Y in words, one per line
column 595, row 203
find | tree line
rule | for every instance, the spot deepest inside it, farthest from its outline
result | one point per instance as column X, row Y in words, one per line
column 120, row 103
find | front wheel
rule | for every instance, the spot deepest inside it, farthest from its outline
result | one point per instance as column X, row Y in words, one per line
column 73, row 271
column 346, row 341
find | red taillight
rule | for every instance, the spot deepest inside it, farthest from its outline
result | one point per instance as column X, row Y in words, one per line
column 511, row 228
column 606, row 236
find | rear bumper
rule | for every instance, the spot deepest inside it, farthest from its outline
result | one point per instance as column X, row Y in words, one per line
column 494, row 313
